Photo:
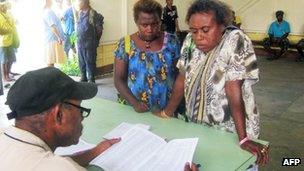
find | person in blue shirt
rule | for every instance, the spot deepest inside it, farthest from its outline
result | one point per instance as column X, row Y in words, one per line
column 68, row 27
column 278, row 33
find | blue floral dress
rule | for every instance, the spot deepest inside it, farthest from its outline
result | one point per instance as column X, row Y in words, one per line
column 151, row 74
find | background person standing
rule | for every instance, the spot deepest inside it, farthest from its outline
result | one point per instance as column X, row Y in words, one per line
column 68, row 27
column 89, row 30
column 54, row 36
column 170, row 17
column 8, row 41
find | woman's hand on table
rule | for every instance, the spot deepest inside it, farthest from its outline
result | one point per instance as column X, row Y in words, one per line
column 259, row 150
column 193, row 167
column 140, row 107
column 161, row 113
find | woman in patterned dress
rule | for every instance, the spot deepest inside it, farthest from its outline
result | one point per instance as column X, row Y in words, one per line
column 217, row 69
column 145, row 61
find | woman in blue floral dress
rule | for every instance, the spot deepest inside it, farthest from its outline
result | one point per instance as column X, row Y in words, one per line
column 145, row 61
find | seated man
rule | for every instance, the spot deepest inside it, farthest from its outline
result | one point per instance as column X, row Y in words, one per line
column 278, row 33
column 300, row 48
column 46, row 107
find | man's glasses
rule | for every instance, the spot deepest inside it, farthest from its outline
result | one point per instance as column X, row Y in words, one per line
column 85, row 112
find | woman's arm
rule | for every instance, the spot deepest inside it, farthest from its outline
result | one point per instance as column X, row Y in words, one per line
column 56, row 32
column 120, row 82
column 176, row 97
column 234, row 94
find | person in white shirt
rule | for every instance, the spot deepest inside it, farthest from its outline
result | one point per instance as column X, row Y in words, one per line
column 46, row 107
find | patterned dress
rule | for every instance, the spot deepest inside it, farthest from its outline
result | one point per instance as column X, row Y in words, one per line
column 205, row 76
column 151, row 75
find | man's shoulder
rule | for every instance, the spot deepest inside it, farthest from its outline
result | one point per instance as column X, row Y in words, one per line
column 98, row 17
column 285, row 22
column 236, row 34
column 274, row 22
column 49, row 12
column 96, row 12
column 69, row 11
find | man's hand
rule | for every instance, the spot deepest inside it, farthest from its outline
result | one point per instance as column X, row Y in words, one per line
column 140, row 107
column 85, row 157
column 261, row 151
column 104, row 145
column 192, row 168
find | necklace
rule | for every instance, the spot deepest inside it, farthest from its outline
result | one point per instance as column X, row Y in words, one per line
column 147, row 42
column 23, row 141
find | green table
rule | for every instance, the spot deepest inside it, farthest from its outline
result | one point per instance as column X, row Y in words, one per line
column 216, row 150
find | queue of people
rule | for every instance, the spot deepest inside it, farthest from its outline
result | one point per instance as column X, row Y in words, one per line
column 88, row 25
column 9, row 43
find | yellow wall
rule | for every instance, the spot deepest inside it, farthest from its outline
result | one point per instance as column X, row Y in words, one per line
column 113, row 12
column 105, row 54
column 115, row 27
column 182, row 6
column 257, row 15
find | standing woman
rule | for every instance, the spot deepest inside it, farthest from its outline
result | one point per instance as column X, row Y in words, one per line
column 54, row 36
column 145, row 61
column 7, row 33
column 218, row 68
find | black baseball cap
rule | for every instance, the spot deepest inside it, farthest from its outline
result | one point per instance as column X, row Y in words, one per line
column 39, row 90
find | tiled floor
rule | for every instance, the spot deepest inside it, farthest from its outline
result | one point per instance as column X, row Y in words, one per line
column 280, row 95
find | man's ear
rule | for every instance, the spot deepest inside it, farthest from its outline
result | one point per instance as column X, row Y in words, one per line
column 56, row 115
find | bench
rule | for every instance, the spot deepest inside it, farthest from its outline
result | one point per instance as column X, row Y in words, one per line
column 257, row 40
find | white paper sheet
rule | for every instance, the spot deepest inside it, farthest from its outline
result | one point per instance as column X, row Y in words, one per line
column 81, row 146
column 122, row 129
column 171, row 157
column 135, row 146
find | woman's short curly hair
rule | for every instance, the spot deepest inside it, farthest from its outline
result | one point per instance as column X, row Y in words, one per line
column 147, row 6
column 222, row 12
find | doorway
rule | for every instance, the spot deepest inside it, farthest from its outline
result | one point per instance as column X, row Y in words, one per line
column 28, row 15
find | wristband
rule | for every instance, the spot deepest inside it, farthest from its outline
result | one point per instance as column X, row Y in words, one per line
column 163, row 114
column 244, row 140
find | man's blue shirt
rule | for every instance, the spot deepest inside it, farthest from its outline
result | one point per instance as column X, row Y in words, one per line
column 68, row 18
column 279, row 29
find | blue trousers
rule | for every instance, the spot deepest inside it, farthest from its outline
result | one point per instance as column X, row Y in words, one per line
column 87, row 62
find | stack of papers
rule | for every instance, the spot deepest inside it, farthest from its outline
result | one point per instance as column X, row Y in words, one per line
column 140, row 149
